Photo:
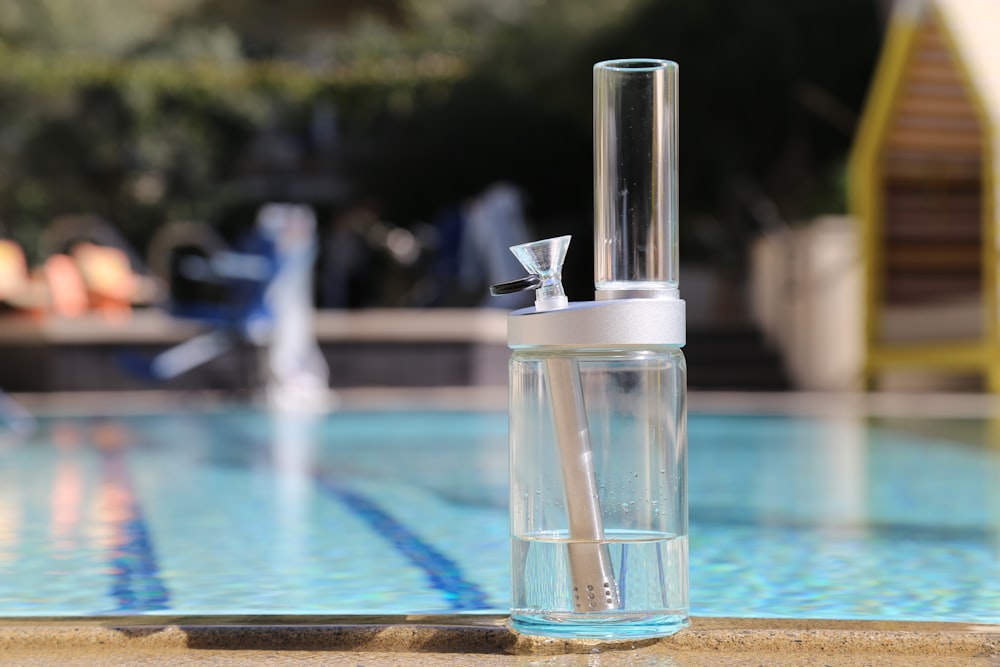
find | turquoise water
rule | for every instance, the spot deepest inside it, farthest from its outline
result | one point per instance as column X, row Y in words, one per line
column 239, row 512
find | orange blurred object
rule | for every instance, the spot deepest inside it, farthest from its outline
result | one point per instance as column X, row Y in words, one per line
column 110, row 283
column 13, row 270
column 67, row 291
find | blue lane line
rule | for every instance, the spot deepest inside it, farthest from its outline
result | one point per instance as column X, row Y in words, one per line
column 444, row 574
column 136, row 585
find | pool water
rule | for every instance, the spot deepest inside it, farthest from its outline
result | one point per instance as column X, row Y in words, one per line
column 236, row 511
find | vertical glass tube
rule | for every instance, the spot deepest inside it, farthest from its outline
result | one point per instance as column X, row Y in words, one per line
column 635, row 178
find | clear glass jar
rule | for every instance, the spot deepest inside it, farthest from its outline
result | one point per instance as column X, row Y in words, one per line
column 598, row 492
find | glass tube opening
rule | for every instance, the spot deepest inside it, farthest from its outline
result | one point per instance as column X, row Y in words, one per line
column 635, row 176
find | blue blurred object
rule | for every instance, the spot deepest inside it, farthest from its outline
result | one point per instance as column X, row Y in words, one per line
column 15, row 416
column 212, row 283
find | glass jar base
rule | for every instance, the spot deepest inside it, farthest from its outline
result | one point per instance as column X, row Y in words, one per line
column 595, row 626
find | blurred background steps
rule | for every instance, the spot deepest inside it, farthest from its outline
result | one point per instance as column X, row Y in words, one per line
column 733, row 357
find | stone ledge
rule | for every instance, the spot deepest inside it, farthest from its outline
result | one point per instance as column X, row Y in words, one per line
column 489, row 635
column 154, row 326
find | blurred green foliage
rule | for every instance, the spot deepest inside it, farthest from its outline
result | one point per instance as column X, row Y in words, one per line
column 155, row 110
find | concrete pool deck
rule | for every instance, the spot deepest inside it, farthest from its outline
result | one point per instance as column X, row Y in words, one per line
column 481, row 640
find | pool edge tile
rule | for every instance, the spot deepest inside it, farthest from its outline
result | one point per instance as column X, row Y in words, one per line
column 489, row 635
